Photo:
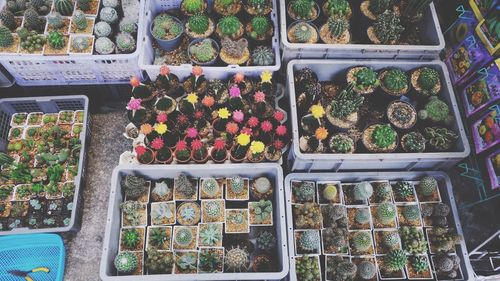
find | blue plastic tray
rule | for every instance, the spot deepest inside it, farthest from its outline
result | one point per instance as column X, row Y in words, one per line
column 26, row 252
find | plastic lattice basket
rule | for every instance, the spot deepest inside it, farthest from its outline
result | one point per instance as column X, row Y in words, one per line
column 27, row 252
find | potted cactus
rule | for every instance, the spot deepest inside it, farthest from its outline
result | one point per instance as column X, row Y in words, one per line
column 90, row 7
column 8, row 42
column 393, row 82
column 364, row 78
column 56, row 22
column 258, row 7
column 193, row 7
column 359, row 218
column 372, row 9
column 144, row 154
column 386, row 29
column 262, row 56
column 159, row 262
column 167, row 31
column 361, row 243
column 404, row 192
column 386, row 241
column 81, row 24
column 392, row 265
column 335, row 30
column 440, row 139
column 341, row 143
column 186, row 262
column 237, row 189
column 259, row 28
column 199, row 26
column 239, row 150
column 212, row 211
column 337, row 8
column 229, row 26
column 380, row 138
column 342, row 113
column 307, row 268
column 132, row 239
column 307, row 242
column 219, row 151
column 203, row 51
column 256, row 152
column 303, row 32
column 81, row 44
column 261, row 212
column 57, row 43
column 237, row 221
column 436, row 111
column 384, row 215
column 64, row 7
column 129, row 263
column 303, row 10
column 401, row 115
column 428, row 190
column 227, row 7
column 210, row 235
column 413, row 142
column 426, row 81
column 182, row 152
column 303, row 192
column 419, row 267
column 199, row 152
column 184, row 237
column 211, row 260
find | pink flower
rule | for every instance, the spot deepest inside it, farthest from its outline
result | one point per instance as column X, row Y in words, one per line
column 234, row 92
column 253, row 122
column 266, row 126
column 134, row 104
column 182, row 119
column 281, row 130
column 196, row 144
column 140, row 150
column 219, row 144
column 259, row 96
column 164, row 70
column 198, row 114
column 180, row 145
column 238, row 116
column 197, row 70
column 192, row 133
column 161, row 118
column 278, row 144
column 279, row 116
column 246, row 131
column 157, row 143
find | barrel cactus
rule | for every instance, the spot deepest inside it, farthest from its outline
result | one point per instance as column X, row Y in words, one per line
column 395, row 80
column 419, row 263
column 367, row 270
column 362, row 215
column 237, row 259
column 79, row 20
column 55, row 20
column 330, row 192
column 192, row 6
column 305, row 192
column 126, row 262
column 436, row 111
column 260, row 26
column 362, row 241
column 198, row 23
column 337, row 7
column 262, row 56
column 108, row 15
column 184, row 237
column 427, row 186
column 303, row 32
column 395, row 260
column 303, row 9
column 83, row 4
column 7, row 19
column 309, row 241
column 404, row 189
column 337, row 25
column 346, row 271
column 134, row 186
column 384, row 192
column 125, row 43
column 32, row 19
column 56, row 39
column 427, row 80
column 213, row 209
column 203, row 51
column 128, row 25
column 102, row 29
column 388, row 28
column 386, row 212
column 362, row 191
column 411, row 213
column 64, row 7
column 229, row 26
column 391, row 240
column 6, row 38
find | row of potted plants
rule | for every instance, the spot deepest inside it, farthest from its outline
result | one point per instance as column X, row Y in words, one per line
column 361, row 229
column 190, row 228
column 386, row 110
column 62, row 27
column 376, row 22
column 203, row 34
column 37, row 173
column 200, row 120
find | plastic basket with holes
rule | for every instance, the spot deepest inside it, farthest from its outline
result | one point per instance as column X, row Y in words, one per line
column 40, row 257
column 11, row 107
column 34, row 70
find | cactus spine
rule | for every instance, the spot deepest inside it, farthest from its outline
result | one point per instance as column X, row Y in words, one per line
column 64, row 7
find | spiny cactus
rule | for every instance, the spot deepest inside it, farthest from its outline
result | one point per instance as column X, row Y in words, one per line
column 56, row 39
column 237, row 184
column 130, row 238
column 79, row 20
column 441, row 139
column 229, row 26
column 303, row 32
column 411, row 213
column 55, row 20
column 384, row 192
column 198, row 23
column 367, row 270
column 384, row 136
column 262, row 56
column 413, row 142
column 159, row 262
column 395, row 260
column 362, row 241
column 307, row 268
column 391, row 240
column 303, row 9
column 435, row 111
column 210, row 235
column 366, row 77
column 330, row 192
column 443, row 263
column 184, row 186
column 109, row 15
column 334, row 237
column 362, row 216
column 102, row 29
column 7, row 19
column 203, row 51
column 260, row 26
column 337, row 25
column 125, row 43
column 388, row 28
column 427, row 186
column 184, row 236
column 210, row 186
column 64, row 7
column 428, row 79
column 80, row 43
column 32, row 19
column 134, row 186
column 395, row 80
column 386, row 212
column 17, row 7
column 237, row 259
column 41, row 6
column 305, row 192
column 126, row 262
column 309, row 241
column 128, row 25
column 404, row 189
column 213, row 209
column 419, row 264
column 346, row 102
column 192, row 6
column 266, row 241
column 6, row 38
column 84, row 4
column 337, row 7
column 380, row 6
column 413, row 240
column 362, row 191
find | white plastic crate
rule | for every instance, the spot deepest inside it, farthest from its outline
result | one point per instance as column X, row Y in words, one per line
column 146, row 56
column 431, row 32
column 34, row 70
column 326, row 70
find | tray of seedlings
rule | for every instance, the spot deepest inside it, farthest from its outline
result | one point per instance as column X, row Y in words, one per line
column 348, row 112
column 42, row 164
column 374, row 226
column 196, row 223
column 204, row 120
column 406, row 29
column 66, row 41
column 226, row 36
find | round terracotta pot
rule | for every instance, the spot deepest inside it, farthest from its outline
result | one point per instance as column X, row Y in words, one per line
column 182, row 161
column 167, row 161
column 200, row 161
column 215, row 160
column 153, row 156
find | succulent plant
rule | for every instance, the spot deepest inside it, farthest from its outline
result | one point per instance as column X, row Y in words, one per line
column 441, row 210
column 31, row 40
column 362, row 241
column 213, row 209
column 237, row 184
column 366, row 270
column 309, row 241
column 210, row 235
column 387, row 28
column 55, row 20
column 102, row 29
column 305, row 192
column 411, row 213
column 56, row 39
column 6, row 38
column 341, row 143
column 436, row 111
column 203, row 51
column 337, row 25
column 134, row 186
column 419, row 264
column 184, row 186
column 32, row 19
column 444, row 239
column 237, row 259
column 104, row 46
column 427, row 186
column 186, row 261
column 17, row 7
column 383, row 192
column 395, row 260
column 260, row 26
column 346, row 102
column 64, row 7
column 366, row 77
column 441, row 139
column 413, row 240
column 209, row 260
column 307, row 268
column 166, row 27
column 380, row 6
column 413, row 142
column 391, row 240
column 7, row 19
column 362, row 191
column 447, row 265
column 210, row 187
column 427, row 80
column 362, row 216
column 108, row 14
column 307, row 216
column 229, row 26
column 404, row 189
column 262, row 56
column 198, row 23
column 337, row 7
column 157, row 237
column 80, row 43
column 334, row 237
column 131, row 238
column 131, row 212
column 303, row 32
column 262, row 211
column 159, row 262
column 303, row 9
column 192, row 6
column 345, row 270
column 386, row 212
column 332, row 212
column 266, row 241
column 125, row 43
column 110, row 3
column 128, row 25
column 384, row 136
column 184, row 236
column 395, row 80
column 330, row 192
column 126, row 262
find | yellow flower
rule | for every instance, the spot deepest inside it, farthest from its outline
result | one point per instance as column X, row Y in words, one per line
column 243, row 139
column 266, row 76
column 192, row 98
column 161, row 128
column 257, row 147
column 224, row 113
column 317, row 111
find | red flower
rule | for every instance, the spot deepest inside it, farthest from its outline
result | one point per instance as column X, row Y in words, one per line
column 278, row 144
column 180, row 145
column 232, row 128
column 198, row 114
column 246, row 131
column 157, row 143
column 182, row 119
column 196, row 144
column 266, row 126
column 259, row 96
column 219, row 144
column 134, row 81
column 161, row 118
column 281, row 130
column 140, row 150
column 253, row 122
column 279, row 116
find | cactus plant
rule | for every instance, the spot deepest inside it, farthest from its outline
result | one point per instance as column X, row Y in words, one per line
column 266, row 241
column 184, row 186
column 391, row 240
column 198, row 23
column 307, row 268
column 126, row 262
column 427, row 186
column 134, row 186
column 436, row 111
column 79, row 20
column 159, row 262
column 441, row 139
column 31, row 40
column 262, row 56
column 362, row 216
column 427, row 81
column 191, row 7
column 309, row 241
column 166, row 27
column 403, row 189
column 17, row 7
column 383, row 192
column 55, row 20
column 32, row 20
column 7, row 19
column 341, row 143
column 130, row 238
column 337, row 8
column 110, row 3
column 128, row 25
column 305, row 192
column 335, row 238
column 125, row 43
column 56, row 39
column 210, row 187
column 362, row 191
column 260, row 25
column 413, row 240
column 365, row 78
column 237, row 184
column 209, row 261
column 386, row 212
column 186, row 262
column 346, row 103
column 384, row 136
column 237, row 259
column 80, row 43
column 330, row 192
column 395, row 260
column 337, row 25
column 109, row 15
column 64, row 7
column 380, row 6
column 230, row 26
column 413, row 142
column 83, row 4
column 210, row 235
column 303, row 9
column 441, row 210
column 203, row 51
column 362, row 241
column 419, row 264
column 184, row 237
column 262, row 211
column 411, row 213
column 387, row 28
column 102, row 29
column 6, row 38
column 212, row 209
column 395, row 80
column 367, row 270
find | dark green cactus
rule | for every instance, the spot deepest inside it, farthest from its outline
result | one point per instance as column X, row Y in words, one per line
column 56, row 39
column 6, row 39
column 64, row 7
column 388, row 28
column 17, row 7
column 41, row 6
column 346, row 102
column 83, row 4
column 435, row 111
column 262, row 55
column 384, row 136
column 198, row 23
column 380, row 6
column 395, row 260
column 7, row 19
column 32, row 19
column 395, row 80
column 366, row 77
column 441, row 139
column 337, row 25
column 55, row 20
column 427, row 80
column 192, row 6
column 303, row 9
column 419, row 264
column 337, row 7
column 303, row 32
column 229, row 26
column 260, row 26
column 413, row 142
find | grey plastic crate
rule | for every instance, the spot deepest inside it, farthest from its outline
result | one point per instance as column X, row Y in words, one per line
column 445, row 189
column 110, row 249
column 326, row 70
column 431, row 31
column 51, row 104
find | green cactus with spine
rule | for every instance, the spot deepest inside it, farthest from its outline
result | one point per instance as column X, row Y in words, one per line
column 367, row 270
column 266, row 241
column 84, row 4
column 362, row 241
column 134, row 186
column 125, row 43
column 213, row 209
column 419, row 264
column 6, row 38
column 362, row 191
column 262, row 211
column 404, row 189
column 159, row 262
column 441, row 139
column 198, row 23
column 41, row 6
column 346, row 102
column 64, row 7
column 412, row 239
column 229, row 26
column 80, row 43
column 130, row 238
column 380, row 6
column 303, row 9
column 32, row 19
column 109, row 15
column 192, row 6
column 391, row 240
column 209, row 260
column 414, row 142
column 55, row 20
column 428, row 185
column 383, row 192
column 184, row 186
column 436, row 111
column 366, row 77
column 237, row 184
column 260, row 26
column 56, row 39
column 427, row 80
column 341, row 143
column 184, row 236
column 395, row 80
column 17, row 7
column 411, row 213
column 330, row 192
column 128, row 25
column 203, row 52
column 337, row 25
column 345, row 271
column 362, row 216
column 388, row 28
column 31, row 40
column 384, row 136
column 395, row 260
column 23, row 33
column 210, row 235
column 303, row 32
column 237, row 259
column 386, row 213
column 337, row 7
column 309, row 241
column 262, row 56
column 7, row 19
column 126, row 262
column 210, row 186
column 102, row 29
column 305, row 192
column 157, row 237
column 79, row 20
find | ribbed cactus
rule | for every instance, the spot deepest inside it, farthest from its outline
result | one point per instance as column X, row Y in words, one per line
column 184, row 237
column 192, row 6
column 56, row 39
column 362, row 241
column 395, row 80
column 262, row 55
column 198, row 23
column 83, row 4
column 32, row 19
column 395, row 260
column 386, row 212
column 7, row 19
column 55, row 20
column 64, row 7
column 229, row 26
column 17, row 7
column 260, row 25
column 388, row 28
column 380, row 6
column 134, row 186
column 210, row 187
column 303, row 9
column 303, row 32
column 6, row 39
column 41, row 6
column 428, row 185
column 428, row 78
column 126, row 262
column 337, row 25
column 79, row 20
column 125, row 43
column 337, row 7
column 80, row 43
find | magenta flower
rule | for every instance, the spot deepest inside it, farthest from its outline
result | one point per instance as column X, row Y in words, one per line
column 238, row 116
column 234, row 92
column 192, row 133
column 161, row 118
column 134, row 104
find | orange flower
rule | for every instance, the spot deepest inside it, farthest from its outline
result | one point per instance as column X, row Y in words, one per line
column 146, row 129
column 134, row 81
column 197, row 70
column 321, row 133
column 239, row 77
column 208, row 101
